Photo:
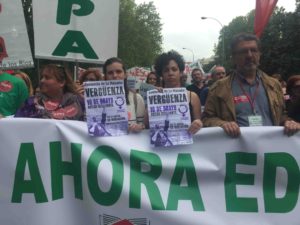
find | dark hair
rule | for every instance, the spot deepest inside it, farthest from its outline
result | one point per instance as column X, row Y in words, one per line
column 117, row 60
column 196, row 69
column 243, row 37
column 290, row 84
column 163, row 60
column 111, row 61
column 59, row 72
column 152, row 73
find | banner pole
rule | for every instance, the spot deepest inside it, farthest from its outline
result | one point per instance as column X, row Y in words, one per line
column 38, row 70
column 76, row 70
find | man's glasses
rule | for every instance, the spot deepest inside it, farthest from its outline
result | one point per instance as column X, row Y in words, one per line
column 246, row 51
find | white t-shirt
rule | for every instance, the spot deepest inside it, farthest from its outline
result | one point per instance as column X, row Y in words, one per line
column 135, row 113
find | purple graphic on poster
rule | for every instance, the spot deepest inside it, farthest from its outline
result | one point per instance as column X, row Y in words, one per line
column 106, row 110
column 169, row 117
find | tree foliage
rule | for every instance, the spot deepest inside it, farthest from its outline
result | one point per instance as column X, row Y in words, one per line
column 279, row 41
column 140, row 36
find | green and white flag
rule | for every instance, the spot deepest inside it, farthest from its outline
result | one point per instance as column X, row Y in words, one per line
column 76, row 30
column 53, row 172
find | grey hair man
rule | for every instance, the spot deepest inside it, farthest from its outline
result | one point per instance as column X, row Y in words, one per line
column 248, row 97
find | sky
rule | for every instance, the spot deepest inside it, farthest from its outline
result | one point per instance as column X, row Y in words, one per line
column 184, row 28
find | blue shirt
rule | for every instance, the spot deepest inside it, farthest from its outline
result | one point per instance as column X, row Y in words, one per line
column 258, row 96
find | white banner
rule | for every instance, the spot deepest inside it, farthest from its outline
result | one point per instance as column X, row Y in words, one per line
column 53, row 172
column 76, row 30
column 15, row 51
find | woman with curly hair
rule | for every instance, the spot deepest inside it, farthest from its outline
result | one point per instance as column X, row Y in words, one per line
column 170, row 67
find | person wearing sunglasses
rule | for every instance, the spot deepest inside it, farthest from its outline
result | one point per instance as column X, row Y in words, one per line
column 57, row 98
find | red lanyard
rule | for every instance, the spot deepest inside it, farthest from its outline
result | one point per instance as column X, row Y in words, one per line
column 250, row 99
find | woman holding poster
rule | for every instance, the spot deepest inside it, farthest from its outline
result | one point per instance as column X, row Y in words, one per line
column 170, row 67
column 114, row 69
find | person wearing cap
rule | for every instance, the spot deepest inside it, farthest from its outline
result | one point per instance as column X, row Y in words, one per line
column 248, row 97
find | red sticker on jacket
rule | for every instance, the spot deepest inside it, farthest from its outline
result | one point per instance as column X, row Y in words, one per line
column 129, row 115
column 71, row 111
column 58, row 114
column 51, row 105
column 239, row 99
column 5, row 86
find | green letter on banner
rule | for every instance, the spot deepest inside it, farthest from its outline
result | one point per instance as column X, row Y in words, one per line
column 35, row 185
column 64, row 9
column 75, row 42
column 289, row 201
column 60, row 168
column 234, row 203
column 110, row 197
column 191, row 191
column 145, row 168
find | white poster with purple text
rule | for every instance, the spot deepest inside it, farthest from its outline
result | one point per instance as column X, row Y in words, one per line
column 106, row 108
column 169, row 117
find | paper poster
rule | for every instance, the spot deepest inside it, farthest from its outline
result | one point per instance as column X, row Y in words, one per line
column 144, row 87
column 169, row 117
column 106, row 109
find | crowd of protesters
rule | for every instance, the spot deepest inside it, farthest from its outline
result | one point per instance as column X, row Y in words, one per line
column 245, row 97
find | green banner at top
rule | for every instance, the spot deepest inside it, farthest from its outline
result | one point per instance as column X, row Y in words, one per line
column 76, row 30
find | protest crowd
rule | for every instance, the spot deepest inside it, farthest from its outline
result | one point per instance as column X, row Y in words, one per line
column 244, row 97
column 89, row 136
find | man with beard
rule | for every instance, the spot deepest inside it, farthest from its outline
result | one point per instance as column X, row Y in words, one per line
column 198, row 84
column 248, row 97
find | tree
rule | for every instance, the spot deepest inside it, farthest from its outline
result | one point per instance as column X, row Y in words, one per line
column 237, row 25
column 139, row 33
column 279, row 41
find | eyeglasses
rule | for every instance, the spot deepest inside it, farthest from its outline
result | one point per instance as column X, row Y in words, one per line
column 246, row 51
